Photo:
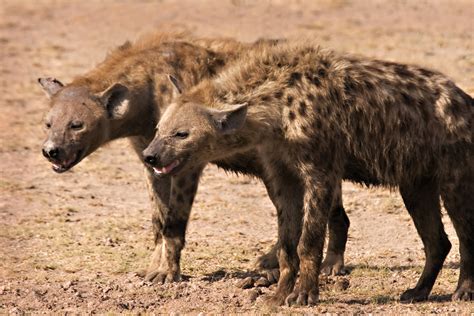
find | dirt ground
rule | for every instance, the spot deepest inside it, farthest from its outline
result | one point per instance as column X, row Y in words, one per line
column 71, row 242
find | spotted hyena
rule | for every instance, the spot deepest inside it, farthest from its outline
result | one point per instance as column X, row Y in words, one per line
column 315, row 117
column 123, row 97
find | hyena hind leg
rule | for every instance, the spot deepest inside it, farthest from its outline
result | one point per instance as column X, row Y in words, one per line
column 458, row 198
column 338, row 227
column 421, row 199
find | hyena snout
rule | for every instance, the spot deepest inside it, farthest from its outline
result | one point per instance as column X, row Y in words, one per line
column 151, row 156
column 51, row 151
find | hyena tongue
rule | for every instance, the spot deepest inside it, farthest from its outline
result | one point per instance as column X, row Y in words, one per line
column 166, row 169
column 171, row 166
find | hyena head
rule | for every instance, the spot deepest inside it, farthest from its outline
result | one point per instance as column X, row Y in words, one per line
column 78, row 121
column 190, row 134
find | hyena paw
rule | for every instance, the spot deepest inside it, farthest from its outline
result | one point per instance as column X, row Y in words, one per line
column 161, row 277
column 141, row 272
column 267, row 261
column 302, row 298
column 414, row 295
column 272, row 275
column 465, row 292
column 333, row 264
column 275, row 300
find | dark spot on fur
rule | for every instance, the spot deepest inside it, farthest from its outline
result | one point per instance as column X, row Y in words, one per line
column 302, row 108
column 278, row 94
column 322, row 72
column 369, row 84
column 402, row 71
column 407, row 99
column 291, row 116
column 310, row 97
column 265, row 98
column 427, row 73
column 294, row 78
column 289, row 100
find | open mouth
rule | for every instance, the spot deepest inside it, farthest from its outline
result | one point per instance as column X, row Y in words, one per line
column 169, row 168
column 63, row 166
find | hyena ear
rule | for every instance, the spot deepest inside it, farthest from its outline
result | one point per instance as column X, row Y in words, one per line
column 50, row 85
column 115, row 99
column 177, row 88
column 230, row 120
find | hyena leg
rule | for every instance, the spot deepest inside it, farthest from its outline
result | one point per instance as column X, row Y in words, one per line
column 422, row 202
column 338, row 226
column 174, row 222
column 286, row 191
column 319, row 189
column 458, row 198
column 159, row 191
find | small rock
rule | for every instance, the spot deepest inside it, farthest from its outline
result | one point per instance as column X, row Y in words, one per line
column 124, row 305
column 341, row 284
column 66, row 285
column 106, row 289
column 40, row 292
column 262, row 282
column 246, row 283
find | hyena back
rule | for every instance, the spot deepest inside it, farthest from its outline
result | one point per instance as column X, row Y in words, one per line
column 320, row 117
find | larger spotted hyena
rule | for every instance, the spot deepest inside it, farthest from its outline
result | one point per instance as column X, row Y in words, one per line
column 124, row 96
column 320, row 117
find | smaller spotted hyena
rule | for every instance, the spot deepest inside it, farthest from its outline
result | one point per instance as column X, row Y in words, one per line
column 321, row 117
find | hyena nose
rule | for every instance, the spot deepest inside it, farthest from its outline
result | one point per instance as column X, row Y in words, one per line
column 51, row 153
column 151, row 160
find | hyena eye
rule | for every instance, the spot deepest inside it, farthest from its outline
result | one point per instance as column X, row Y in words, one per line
column 181, row 134
column 77, row 125
column 47, row 125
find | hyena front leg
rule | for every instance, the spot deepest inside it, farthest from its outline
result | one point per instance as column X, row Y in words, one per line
column 338, row 226
column 319, row 189
column 159, row 191
column 173, row 227
column 287, row 196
